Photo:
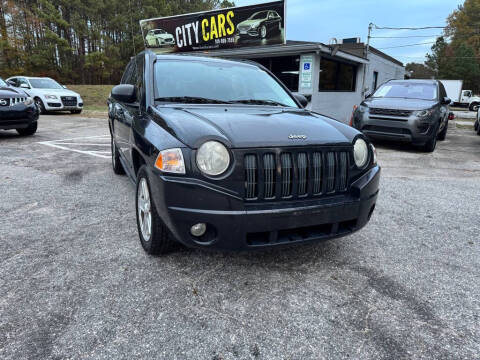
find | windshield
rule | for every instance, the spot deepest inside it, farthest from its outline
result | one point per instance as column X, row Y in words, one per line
column 3, row 83
column 218, row 82
column 258, row 15
column 407, row 90
column 160, row 31
column 45, row 84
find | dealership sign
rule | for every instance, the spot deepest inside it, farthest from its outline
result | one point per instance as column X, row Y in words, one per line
column 262, row 24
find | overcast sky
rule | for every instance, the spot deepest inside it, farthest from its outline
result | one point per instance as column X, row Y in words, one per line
column 321, row 20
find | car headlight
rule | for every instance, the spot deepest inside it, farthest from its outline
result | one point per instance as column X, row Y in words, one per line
column 213, row 158
column 424, row 113
column 51, row 97
column 171, row 161
column 362, row 108
column 28, row 102
column 360, row 153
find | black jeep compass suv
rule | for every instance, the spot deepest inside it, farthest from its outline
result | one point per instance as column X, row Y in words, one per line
column 17, row 110
column 224, row 156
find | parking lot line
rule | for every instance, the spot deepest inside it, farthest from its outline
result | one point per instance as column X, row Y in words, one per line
column 77, row 141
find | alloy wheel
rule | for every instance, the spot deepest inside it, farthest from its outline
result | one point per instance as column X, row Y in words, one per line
column 144, row 210
column 263, row 32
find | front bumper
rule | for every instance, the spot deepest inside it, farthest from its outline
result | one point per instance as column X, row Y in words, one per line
column 18, row 116
column 252, row 32
column 234, row 225
column 410, row 129
column 57, row 105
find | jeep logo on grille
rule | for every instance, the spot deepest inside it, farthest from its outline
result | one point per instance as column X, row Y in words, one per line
column 3, row 102
column 299, row 137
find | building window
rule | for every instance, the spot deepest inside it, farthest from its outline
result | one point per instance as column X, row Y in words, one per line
column 337, row 76
column 285, row 68
column 375, row 81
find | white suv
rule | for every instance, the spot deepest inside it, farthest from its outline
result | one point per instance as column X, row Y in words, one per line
column 48, row 94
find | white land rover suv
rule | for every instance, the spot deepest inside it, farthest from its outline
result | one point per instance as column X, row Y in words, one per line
column 48, row 94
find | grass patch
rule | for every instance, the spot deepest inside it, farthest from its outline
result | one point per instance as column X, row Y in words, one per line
column 94, row 96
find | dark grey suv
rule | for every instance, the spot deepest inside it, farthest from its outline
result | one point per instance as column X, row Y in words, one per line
column 414, row 111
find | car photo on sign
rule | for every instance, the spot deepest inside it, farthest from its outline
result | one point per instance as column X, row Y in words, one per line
column 159, row 38
column 262, row 24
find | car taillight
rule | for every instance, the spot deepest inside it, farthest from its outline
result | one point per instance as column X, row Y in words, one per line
column 451, row 116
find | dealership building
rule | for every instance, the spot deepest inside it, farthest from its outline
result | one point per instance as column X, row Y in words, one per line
column 333, row 77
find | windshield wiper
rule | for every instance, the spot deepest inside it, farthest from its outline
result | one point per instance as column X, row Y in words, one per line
column 191, row 99
column 258, row 102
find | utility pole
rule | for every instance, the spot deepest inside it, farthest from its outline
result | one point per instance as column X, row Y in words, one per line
column 367, row 48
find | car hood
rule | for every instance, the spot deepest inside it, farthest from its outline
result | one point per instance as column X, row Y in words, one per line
column 250, row 22
column 399, row 103
column 58, row 92
column 8, row 91
column 251, row 126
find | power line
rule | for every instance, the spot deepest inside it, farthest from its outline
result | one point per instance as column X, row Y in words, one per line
column 408, row 28
column 404, row 37
column 393, row 47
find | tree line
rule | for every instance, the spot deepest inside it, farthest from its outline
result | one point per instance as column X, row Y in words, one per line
column 80, row 41
column 456, row 54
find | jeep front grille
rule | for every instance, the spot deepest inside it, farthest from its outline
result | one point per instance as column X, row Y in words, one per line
column 295, row 174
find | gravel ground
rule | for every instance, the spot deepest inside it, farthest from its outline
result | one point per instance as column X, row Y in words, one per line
column 75, row 283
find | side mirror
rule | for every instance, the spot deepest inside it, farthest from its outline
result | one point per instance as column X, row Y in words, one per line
column 446, row 101
column 24, row 86
column 301, row 99
column 124, row 93
column 64, row 86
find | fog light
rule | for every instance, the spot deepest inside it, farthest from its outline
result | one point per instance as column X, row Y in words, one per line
column 198, row 229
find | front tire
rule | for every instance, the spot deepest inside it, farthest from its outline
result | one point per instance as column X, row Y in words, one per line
column 116, row 164
column 40, row 106
column 154, row 235
column 474, row 106
column 431, row 144
column 30, row 130
column 443, row 134
column 263, row 32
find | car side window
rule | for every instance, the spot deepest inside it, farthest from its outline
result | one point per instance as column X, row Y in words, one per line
column 14, row 81
column 127, row 74
column 22, row 81
column 443, row 92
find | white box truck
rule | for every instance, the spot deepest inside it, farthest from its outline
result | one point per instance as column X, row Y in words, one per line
column 461, row 97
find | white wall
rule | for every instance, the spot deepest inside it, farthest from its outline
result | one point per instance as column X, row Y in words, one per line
column 339, row 105
column 386, row 71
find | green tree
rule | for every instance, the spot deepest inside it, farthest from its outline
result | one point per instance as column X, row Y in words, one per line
column 419, row 71
column 459, row 58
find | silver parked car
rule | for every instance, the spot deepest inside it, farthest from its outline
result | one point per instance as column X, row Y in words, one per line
column 414, row 111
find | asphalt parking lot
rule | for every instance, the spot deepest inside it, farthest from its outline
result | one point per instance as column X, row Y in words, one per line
column 75, row 283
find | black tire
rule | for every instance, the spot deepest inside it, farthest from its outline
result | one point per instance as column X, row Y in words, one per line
column 474, row 106
column 160, row 240
column 475, row 126
column 443, row 134
column 431, row 144
column 76, row 111
column 263, row 31
column 30, row 130
column 116, row 164
column 40, row 106
column 478, row 128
